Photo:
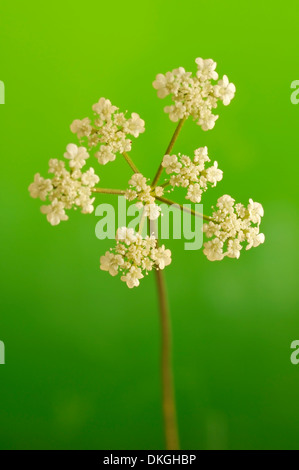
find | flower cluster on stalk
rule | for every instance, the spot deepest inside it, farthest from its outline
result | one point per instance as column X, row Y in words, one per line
column 192, row 174
column 197, row 95
column 140, row 190
column 110, row 131
column 232, row 225
column 134, row 256
column 68, row 188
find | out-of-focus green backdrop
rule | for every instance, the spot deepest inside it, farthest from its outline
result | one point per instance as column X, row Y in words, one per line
column 82, row 350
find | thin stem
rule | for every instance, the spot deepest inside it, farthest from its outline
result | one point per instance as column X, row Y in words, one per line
column 184, row 209
column 130, row 162
column 108, row 191
column 168, row 150
column 168, row 399
column 165, row 184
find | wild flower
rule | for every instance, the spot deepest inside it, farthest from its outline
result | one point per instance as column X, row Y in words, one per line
column 228, row 229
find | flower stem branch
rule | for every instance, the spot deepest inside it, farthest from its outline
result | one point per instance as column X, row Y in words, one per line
column 165, row 184
column 130, row 162
column 184, row 209
column 168, row 150
column 108, row 191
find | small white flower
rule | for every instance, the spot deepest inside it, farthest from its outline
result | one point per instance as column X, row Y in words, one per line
column 254, row 238
column 138, row 181
column 89, row 178
column 105, row 155
column 159, row 191
column 161, row 84
column 125, row 235
column 40, row 187
column 57, row 167
column 81, row 127
column 214, row 174
column 104, row 109
column 87, row 207
column 240, row 210
column 176, row 111
column 207, row 119
column 201, row 157
column 226, row 203
column 225, row 90
column 233, row 248
column 132, row 277
column 256, row 211
column 55, row 212
column 134, row 125
column 171, row 164
column 130, row 194
column 213, row 250
column 111, row 262
column 119, row 119
column 194, row 193
column 206, row 69
column 76, row 155
column 152, row 211
column 162, row 257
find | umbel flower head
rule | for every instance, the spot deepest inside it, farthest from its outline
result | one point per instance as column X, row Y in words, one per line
column 192, row 174
column 66, row 189
column 197, row 95
column 134, row 256
column 233, row 224
column 140, row 190
column 109, row 131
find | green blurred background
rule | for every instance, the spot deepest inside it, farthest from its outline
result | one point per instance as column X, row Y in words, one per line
column 82, row 350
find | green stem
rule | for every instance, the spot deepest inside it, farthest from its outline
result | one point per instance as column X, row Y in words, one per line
column 168, row 398
column 108, row 191
column 168, row 150
column 184, row 209
column 164, row 185
column 130, row 162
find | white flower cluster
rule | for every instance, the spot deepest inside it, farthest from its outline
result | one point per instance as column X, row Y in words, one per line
column 192, row 174
column 109, row 130
column 195, row 96
column 66, row 189
column 233, row 224
column 140, row 190
column 133, row 256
